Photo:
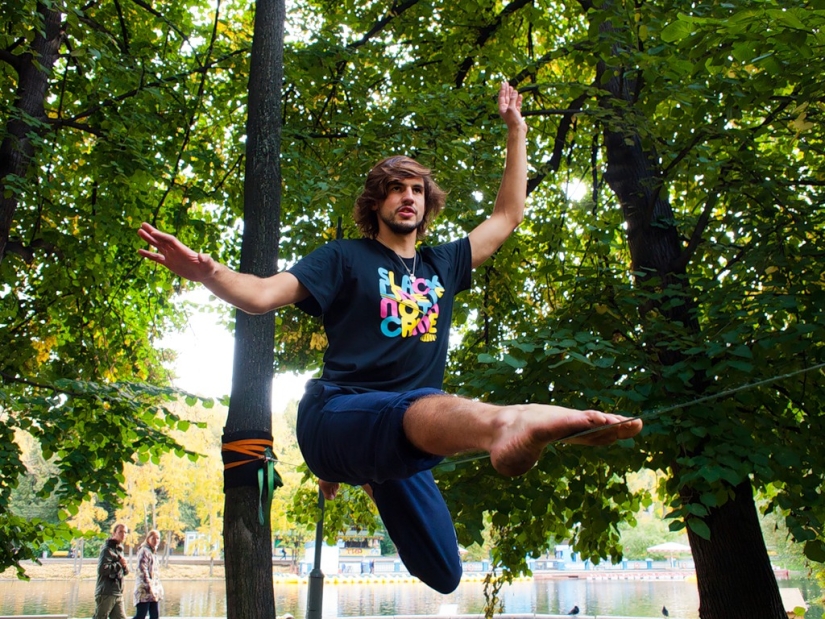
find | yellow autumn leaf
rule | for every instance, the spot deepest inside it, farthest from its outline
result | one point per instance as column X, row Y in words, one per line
column 318, row 341
column 44, row 348
column 800, row 124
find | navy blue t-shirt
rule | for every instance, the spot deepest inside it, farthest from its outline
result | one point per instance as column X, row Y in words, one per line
column 385, row 331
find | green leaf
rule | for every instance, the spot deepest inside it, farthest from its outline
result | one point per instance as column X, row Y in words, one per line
column 697, row 509
column 699, row 527
column 815, row 550
column 676, row 31
column 677, row 525
column 787, row 17
column 514, row 362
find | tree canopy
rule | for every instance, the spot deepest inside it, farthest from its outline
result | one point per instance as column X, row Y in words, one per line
column 101, row 107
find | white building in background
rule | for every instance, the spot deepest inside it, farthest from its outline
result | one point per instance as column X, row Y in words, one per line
column 329, row 558
column 197, row 544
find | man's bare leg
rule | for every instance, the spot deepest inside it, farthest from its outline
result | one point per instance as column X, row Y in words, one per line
column 514, row 436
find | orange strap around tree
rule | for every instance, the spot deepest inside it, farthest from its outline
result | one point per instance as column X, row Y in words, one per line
column 258, row 450
column 254, row 447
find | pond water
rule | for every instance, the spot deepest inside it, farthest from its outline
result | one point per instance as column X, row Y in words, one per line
column 207, row 598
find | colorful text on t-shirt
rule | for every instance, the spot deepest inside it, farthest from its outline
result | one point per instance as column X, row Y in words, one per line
column 409, row 308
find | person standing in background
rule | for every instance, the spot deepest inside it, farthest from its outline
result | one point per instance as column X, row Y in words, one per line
column 148, row 590
column 111, row 568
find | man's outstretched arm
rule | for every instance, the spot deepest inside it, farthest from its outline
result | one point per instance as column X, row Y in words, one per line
column 252, row 294
column 508, row 211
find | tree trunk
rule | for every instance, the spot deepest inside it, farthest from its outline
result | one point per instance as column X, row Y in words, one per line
column 17, row 149
column 733, row 569
column 735, row 579
column 248, row 557
column 247, row 542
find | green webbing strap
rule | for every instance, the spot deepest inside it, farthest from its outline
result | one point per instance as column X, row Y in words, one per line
column 268, row 480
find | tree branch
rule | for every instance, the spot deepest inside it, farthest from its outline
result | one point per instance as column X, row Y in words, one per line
column 321, row 136
column 166, row 80
column 123, row 29
column 23, row 381
column 188, row 131
column 803, row 182
column 378, row 26
column 172, row 25
column 559, row 52
column 10, row 59
column 484, row 34
column 395, row 11
column 16, row 247
column 59, row 123
column 702, row 224
column 696, row 237
column 553, row 112
column 594, row 170
column 552, row 164
column 700, row 136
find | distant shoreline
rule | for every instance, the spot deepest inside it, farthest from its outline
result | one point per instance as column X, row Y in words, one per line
column 64, row 569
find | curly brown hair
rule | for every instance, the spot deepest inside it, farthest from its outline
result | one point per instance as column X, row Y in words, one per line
column 376, row 189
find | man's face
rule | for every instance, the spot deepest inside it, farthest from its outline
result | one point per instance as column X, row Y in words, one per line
column 402, row 211
column 119, row 534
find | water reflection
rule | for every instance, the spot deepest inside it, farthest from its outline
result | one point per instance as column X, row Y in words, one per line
column 204, row 598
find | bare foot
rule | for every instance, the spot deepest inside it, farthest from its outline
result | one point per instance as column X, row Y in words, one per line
column 525, row 431
column 328, row 489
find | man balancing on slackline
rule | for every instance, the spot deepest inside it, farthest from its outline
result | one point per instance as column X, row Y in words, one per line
column 377, row 416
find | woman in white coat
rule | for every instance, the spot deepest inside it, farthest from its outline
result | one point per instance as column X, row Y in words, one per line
column 148, row 590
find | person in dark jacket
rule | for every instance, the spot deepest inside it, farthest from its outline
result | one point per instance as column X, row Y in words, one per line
column 111, row 568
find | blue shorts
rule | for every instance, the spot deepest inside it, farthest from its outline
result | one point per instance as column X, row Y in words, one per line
column 358, row 438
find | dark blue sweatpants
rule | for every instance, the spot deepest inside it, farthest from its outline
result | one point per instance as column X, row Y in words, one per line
column 358, row 438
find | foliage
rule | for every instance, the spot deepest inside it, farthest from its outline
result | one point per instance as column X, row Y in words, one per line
column 351, row 509
column 781, row 547
column 152, row 487
column 648, row 530
column 116, row 135
column 285, row 445
column 157, row 491
column 79, row 443
column 26, row 500
column 171, row 493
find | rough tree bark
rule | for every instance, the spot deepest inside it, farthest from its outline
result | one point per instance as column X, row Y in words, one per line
column 16, row 151
column 247, row 543
column 734, row 573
